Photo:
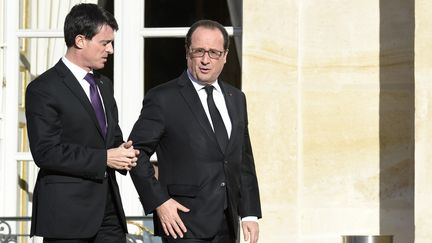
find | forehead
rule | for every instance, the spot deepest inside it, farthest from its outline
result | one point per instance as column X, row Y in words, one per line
column 206, row 37
column 105, row 33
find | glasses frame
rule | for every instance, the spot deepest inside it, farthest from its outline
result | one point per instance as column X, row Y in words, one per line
column 212, row 53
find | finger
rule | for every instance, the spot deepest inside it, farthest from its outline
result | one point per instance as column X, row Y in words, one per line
column 181, row 225
column 171, row 231
column 252, row 236
column 125, row 146
column 127, row 160
column 129, row 153
column 119, row 167
column 177, row 229
column 128, row 144
column 182, row 208
column 122, row 164
column 245, row 233
column 254, row 233
column 130, row 167
column 255, row 238
column 165, row 228
column 133, row 155
column 121, row 161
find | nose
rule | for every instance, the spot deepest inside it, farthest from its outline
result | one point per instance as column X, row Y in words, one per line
column 110, row 48
column 205, row 58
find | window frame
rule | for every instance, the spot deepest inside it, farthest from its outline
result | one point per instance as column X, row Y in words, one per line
column 128, row 86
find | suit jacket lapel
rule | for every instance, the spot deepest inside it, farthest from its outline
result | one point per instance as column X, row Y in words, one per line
column 232, row 112
column 192, row 99
column 70, row 81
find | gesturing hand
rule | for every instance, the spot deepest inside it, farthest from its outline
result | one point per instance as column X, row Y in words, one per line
column 170, row 219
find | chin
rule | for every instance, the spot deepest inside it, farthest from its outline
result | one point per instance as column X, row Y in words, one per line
column 100, row 66
column 204, row 79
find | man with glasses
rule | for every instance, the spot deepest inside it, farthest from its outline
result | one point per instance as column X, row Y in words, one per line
column 198, row 127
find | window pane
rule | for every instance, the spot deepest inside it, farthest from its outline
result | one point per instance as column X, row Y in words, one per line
column 36, row 14
column 175, row 13
column 165, row 59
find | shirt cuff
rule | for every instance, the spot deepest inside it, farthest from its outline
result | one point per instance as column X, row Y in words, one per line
column 250, row 218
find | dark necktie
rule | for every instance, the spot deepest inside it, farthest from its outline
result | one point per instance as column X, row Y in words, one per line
column 96, row 102
column 218, row 124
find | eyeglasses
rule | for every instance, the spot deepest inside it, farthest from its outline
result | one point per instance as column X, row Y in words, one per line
column 200, row 52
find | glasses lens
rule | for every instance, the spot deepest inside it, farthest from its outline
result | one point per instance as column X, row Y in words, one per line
column 214, row 54
column 197, row 52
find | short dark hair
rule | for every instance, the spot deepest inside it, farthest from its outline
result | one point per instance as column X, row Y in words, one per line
column 209, row 24
column 86, row 19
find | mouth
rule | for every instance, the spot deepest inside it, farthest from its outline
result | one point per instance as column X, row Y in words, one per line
column 204, row 70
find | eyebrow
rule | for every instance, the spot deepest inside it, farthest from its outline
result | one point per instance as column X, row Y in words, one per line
column 106, row 41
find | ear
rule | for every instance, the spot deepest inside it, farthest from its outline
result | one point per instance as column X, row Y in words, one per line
column 80, row 41
column 225, row 55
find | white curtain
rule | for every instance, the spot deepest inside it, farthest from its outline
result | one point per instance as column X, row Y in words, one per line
column 43, row 53
column 235, row 8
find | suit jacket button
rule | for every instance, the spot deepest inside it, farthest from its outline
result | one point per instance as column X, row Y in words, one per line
column 226, row 162
column 222, row 184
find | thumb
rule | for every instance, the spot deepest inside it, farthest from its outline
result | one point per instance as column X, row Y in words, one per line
column 182, row 208
column 128, row 144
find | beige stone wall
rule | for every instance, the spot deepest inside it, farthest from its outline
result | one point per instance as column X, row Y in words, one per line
column 423, row 125
column 270, row 80
column 330, row 99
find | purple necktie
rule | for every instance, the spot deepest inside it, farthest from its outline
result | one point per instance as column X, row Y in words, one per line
column 96, row 102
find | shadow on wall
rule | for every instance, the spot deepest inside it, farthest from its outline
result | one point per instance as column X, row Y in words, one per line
column 396, row 112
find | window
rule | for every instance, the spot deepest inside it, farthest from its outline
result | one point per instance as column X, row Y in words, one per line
column 164, row 58
column 148, row 52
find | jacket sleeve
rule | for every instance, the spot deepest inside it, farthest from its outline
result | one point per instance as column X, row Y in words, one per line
column 250, row 199
column 146, row 134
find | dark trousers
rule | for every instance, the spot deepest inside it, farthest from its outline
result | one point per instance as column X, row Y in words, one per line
column 111, row 230
column 224, row 235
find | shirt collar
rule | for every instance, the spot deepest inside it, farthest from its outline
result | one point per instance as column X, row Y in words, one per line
column 76, row 70
column 199, row 85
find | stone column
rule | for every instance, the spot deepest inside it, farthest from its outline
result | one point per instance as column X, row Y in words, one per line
column 271, row 83
column 330, row 94
column 423, row 121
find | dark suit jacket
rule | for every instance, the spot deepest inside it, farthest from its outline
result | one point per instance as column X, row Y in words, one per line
column 67, row 144
column 192, row 168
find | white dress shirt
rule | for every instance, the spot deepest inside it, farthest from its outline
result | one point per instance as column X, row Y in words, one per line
column 218, row 98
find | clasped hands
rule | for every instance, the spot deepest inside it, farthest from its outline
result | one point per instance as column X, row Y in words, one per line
column 124, row 157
